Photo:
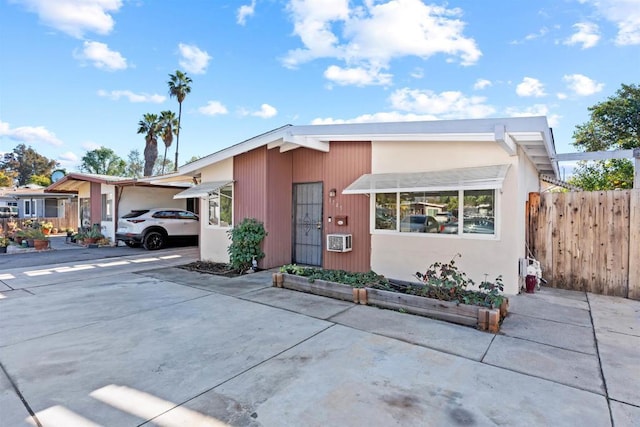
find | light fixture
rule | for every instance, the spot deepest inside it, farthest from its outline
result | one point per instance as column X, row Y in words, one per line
column 332, row 193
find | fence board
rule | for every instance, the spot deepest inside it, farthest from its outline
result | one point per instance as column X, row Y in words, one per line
column 588, row 240
column 634, row 245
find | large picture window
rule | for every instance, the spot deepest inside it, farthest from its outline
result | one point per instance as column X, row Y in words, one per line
column 437, row 212
column 221, row 207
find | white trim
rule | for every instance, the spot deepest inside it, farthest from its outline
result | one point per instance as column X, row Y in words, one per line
column 202, row 190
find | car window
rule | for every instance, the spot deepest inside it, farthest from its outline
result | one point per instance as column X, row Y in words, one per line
column 165, row 215
column 136, row 213
column 187, row 215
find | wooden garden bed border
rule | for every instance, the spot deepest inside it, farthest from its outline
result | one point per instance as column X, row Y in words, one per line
column 483, row 318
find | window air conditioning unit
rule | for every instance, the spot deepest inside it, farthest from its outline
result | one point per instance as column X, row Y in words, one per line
column 339, row 242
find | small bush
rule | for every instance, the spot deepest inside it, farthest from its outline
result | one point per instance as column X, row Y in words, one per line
column 246, row 239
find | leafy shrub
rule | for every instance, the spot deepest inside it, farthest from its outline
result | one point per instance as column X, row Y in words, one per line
column 356, row 280
column 246, row 239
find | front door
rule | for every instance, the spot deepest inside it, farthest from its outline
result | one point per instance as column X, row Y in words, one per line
column 307, row 226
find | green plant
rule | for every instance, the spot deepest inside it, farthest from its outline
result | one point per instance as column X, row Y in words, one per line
column 445, row 279
column 93, row 233
column 493, row 292
column 246, row 239
column 37, row 234
column 46, row 225
column 4, row 242
column 356, row 280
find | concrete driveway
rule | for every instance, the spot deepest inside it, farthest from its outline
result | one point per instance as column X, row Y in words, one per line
column 134, row 341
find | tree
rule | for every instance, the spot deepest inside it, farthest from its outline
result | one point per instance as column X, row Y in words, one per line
column 613, row 124
column 179, row 87
column 168, row 128
column 135, row 165
column 41, row 180
column 161, row 165
column 24, row 162
column 5, row 180
column 103, row 161
column 149, row 126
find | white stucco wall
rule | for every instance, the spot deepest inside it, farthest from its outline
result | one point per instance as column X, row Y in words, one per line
column 214, row 241
column 109, row 227
column 400, row 255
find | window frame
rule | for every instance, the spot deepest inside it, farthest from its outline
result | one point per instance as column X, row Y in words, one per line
column 218, row 193
column 459, row 235
column 107, row 207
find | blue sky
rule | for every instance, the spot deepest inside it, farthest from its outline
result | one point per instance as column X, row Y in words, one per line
column 79, row 74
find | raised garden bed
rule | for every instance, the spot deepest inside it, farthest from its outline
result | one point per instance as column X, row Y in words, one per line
column 484, row 318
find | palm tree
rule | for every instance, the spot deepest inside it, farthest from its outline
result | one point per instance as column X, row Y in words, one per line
column 179, row 88
column 149, row 125
column 168, row 127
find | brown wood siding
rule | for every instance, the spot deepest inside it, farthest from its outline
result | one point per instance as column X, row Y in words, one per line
column 277, row 245
column 96, row 203
column 343, row 164
column 250, row 184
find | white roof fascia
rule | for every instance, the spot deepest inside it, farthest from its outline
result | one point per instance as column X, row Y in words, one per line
column 504, row 140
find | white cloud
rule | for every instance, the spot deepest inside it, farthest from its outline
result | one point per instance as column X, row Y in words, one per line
column 561, row 95
column 417, row 73
column 194, row 60
column 625, row 14
column 357, row 76
column 373, row 34
column 586, row 34
column 90, row 145
column 29, row 134
column 582, row 85
column 531, row 36
column 266, row 111
column 213, row 108
column 131, row 96
column 482, row 84
column 530, row 87
column 244, row 11
column 75, row 17
column 101, row 56
column 68, row 157
column 534, row 111
column 445, row 105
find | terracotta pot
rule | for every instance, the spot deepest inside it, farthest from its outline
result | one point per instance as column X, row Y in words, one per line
column 90, row 240
column 18, row 239
column 40, row 245
column 46, row 231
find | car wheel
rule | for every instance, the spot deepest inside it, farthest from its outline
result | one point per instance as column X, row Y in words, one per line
column 153, row 240
column 131, row 244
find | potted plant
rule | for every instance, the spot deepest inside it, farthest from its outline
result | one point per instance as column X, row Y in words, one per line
column 92, row 236
column 4, row 242
column 46, row 227
column 40, row 240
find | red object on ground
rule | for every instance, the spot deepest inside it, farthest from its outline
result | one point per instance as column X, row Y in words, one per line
column 531, row 282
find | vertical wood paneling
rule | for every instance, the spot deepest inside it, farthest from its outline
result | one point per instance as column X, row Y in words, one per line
column 634, row 244
column 277, row 245
column 343, row 164
column 250, row 184
column 589, row 241
column 96, row 203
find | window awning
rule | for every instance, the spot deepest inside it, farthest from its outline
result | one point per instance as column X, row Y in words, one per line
column 477, row 178
column 201, row 190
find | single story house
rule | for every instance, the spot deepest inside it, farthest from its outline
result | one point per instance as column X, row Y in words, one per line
column 355, row 196
column 33, row 202
column 102, row 199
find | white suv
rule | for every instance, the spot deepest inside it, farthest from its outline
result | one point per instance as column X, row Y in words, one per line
column 153, row 228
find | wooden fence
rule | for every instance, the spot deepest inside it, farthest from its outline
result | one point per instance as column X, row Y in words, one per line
column 588, row 241
column 70, row 219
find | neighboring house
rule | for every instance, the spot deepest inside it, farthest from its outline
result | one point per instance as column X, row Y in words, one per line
column 307, row 183
column 105, row 198
column 32, row 201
